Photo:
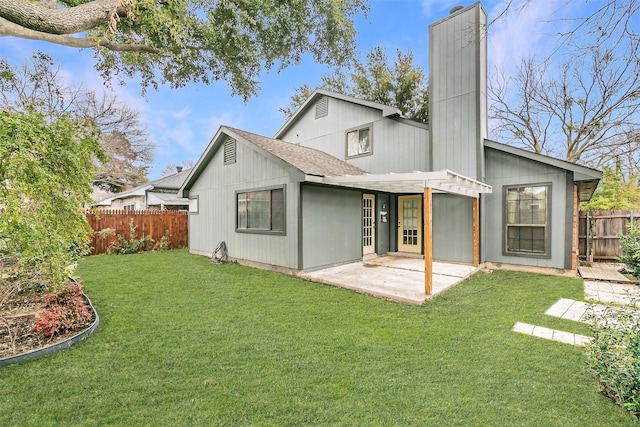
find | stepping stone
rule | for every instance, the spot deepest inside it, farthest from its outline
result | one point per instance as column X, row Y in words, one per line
column 551, row 334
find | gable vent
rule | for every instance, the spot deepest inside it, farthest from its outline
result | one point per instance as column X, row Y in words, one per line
column 229, row 151
column 322, row 107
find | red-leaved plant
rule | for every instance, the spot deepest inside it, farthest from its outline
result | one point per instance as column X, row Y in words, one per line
column 65, row 311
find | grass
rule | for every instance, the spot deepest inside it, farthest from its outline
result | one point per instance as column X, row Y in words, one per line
column 183, row 341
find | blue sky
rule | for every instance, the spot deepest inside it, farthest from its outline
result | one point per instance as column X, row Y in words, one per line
column 181, row 122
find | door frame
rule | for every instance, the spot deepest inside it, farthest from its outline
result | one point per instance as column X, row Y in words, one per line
column 410, row 248
column 368, row 224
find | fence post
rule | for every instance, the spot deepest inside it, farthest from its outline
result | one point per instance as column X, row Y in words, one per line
column 588, row 237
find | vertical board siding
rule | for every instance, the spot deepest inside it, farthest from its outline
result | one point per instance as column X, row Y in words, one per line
column 457, row 99
column 452, row 228
column 504, row 169
column 604, row 231
column 108, row 224
column 216, row 221
column 398, row 146
column 331, row 226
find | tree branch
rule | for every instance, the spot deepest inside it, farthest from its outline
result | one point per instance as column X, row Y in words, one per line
column 39, row 17
column 8, row 28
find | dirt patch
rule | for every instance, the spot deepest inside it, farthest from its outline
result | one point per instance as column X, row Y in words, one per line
column 21, row 305
column 18, row 315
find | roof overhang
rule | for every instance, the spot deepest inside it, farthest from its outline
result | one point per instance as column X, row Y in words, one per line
column 443, row 181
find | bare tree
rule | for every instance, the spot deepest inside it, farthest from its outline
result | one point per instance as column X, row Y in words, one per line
column 588, row 109
column 40, row 86
column 172, row 168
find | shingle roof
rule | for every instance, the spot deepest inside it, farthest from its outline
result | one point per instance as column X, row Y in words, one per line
column 308, row 160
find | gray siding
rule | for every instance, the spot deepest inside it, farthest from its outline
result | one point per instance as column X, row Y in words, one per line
column 216, row 221
column 398, row 146
column 383, row 229
column 452, row 228
column 457, row 91
column 504, row 169
column 331, row 226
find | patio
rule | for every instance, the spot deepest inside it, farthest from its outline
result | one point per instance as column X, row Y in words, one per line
column 397, row 278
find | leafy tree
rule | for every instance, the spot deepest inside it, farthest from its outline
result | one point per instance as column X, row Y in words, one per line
column 190, row 41
column 402, row 85
column 39, row 86
column 615, row 192
column 46, row 169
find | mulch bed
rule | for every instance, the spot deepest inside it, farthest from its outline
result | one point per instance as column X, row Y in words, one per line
column 21, row 305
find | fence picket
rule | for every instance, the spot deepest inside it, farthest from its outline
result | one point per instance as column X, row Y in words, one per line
column 148, row 223
column 601, row 241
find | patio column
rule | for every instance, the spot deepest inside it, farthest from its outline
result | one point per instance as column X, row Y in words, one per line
column 427, row 214
column 476, row 231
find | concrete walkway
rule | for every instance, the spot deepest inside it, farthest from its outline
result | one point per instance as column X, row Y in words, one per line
column 597, row 292
column 397, row 278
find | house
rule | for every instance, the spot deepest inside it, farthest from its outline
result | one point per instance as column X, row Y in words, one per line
column 161, row 194
column 344, row 179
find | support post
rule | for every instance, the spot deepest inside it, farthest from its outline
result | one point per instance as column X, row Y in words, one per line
column 427, row 214
column 476, row 231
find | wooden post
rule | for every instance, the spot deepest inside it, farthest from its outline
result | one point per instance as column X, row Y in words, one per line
column 427, row 214
column 476, row 231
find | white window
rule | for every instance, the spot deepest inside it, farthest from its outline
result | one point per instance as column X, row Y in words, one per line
column 527, row 220
column 193, row 205
column 261, row 211
column 129, row 207
column 359, row 142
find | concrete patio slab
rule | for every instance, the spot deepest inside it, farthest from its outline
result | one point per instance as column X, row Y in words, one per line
column 392, row 277
column 613, row 293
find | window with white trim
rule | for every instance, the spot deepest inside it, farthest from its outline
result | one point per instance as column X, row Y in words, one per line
column 261, row 211
column 527, row 213
column 129, row 207
column 359, row 142
column 193, row 205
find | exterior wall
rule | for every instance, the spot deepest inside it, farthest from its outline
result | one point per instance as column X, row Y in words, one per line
column 398, row 146
column 458, row 91
column 452, row 228
column 383, row 229
column 331, row 221
column 504, row 169
column 216, row 218
column 139, row 201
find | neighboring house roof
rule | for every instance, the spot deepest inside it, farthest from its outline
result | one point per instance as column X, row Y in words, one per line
column 387, row 110
column 586, row 178
column 309, row 161
column 172, row 183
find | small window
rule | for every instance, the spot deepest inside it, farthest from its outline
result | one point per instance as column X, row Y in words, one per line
column 229, row 151
column 527, row 220
column 129, row 207
column 193, row 205
column 322, row 107
column 261, row 211
column 359, row 142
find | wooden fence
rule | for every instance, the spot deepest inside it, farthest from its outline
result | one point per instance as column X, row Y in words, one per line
column 599, row 232
column 108, row 224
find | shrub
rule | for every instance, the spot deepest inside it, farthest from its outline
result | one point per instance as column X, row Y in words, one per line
column 133, row 245
column 613, row 356
column 66, row 310
column 630, row 246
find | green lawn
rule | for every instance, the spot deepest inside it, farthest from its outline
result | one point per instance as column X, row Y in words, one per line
column 183, row 341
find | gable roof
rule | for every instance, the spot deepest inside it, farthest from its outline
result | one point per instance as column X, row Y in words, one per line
column 586, row 178
column 387, row 110
column 307, row 160
column 171, row 182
